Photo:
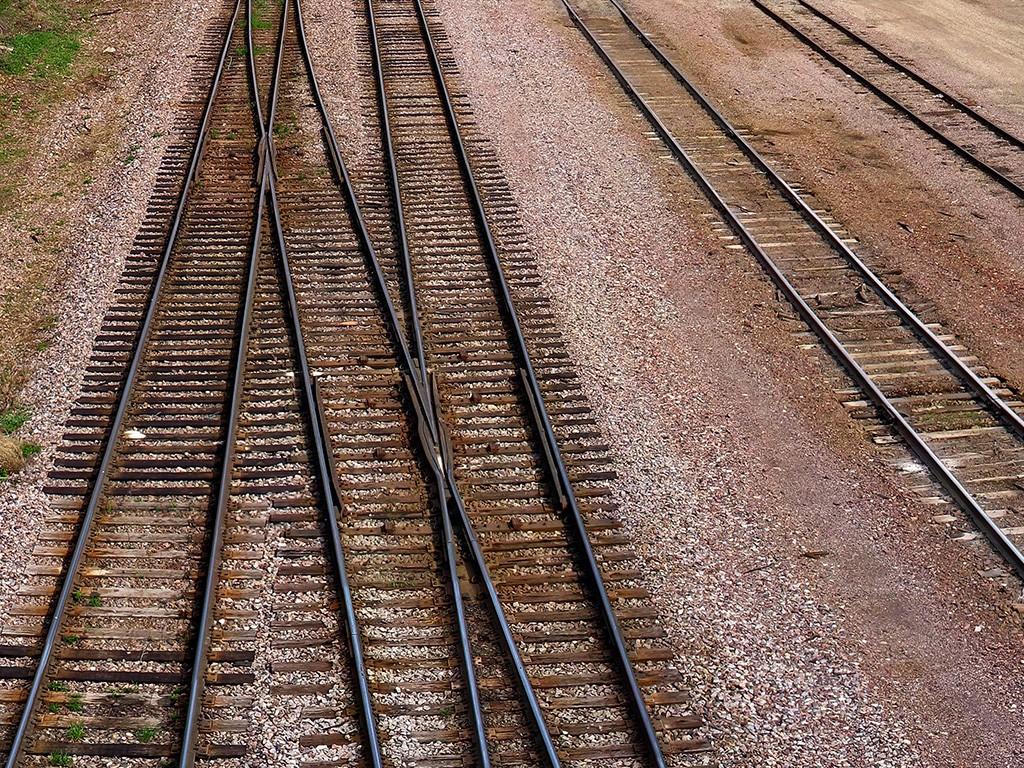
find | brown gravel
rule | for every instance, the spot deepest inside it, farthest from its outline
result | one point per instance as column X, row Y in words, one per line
column 129, row 123
column 825, row 621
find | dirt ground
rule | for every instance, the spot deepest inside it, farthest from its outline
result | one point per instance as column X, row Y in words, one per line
column 736, row 459
column 976, row 46
column 879, row 175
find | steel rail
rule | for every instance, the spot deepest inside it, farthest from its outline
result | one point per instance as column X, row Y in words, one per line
column 332, row 503
column 939, row 470
column 466, row 658
column 429, row 419
column 421, row 374
column 1010, row 418
column 396, row 197
column 1001, row 132
column 892, row 101
column 324, row 466
column 204, row 630
column 542, row 422
column 429, row 422
column 415, row 386
column 112, row 440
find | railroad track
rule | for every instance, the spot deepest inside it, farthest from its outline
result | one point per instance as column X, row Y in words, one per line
column 909, row 375
column 950, row 120
column 326, row 502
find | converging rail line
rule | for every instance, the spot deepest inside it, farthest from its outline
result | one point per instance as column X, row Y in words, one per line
column 961, row 425
column 112, row 679
column 332, row 496
column 960, row 127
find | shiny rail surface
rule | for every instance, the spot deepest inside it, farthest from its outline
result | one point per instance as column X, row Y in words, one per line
column 960, row 423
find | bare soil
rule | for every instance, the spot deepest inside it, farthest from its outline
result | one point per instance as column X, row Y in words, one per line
column 823, row 619
column 957, row 238
column 976, row 46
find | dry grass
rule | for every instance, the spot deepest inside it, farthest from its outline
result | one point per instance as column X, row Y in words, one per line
column 40, row 70
column 26, row 326
column 11, row 457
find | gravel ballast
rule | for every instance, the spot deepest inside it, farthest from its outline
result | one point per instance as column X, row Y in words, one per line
column 149, row 67
column 821, row 619
column 824, row 622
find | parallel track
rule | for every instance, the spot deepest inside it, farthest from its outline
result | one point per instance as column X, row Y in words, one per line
column 193, row 401
column 118, row 639
column 960, row 127
column 952, row 416
column 342, row 466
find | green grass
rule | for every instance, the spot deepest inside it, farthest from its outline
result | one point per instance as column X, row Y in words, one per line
column 145, row 735
column 58, row 685
column 94, row 600
column 75, row 703
column 61, row 759
column 76, row 731
column 70, row 639
column 258, row 22
column 41, row 53
column 11, row 148
column 13, row 419
column 28, row 450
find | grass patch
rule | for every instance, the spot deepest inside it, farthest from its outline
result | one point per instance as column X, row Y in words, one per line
column 75, row 703
column 145, row 735
column 14, row 419
column 39, row 43
column 45, row 63
column 76, row 731
column 258, row 9
column 61, row 759
column 40, row 53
